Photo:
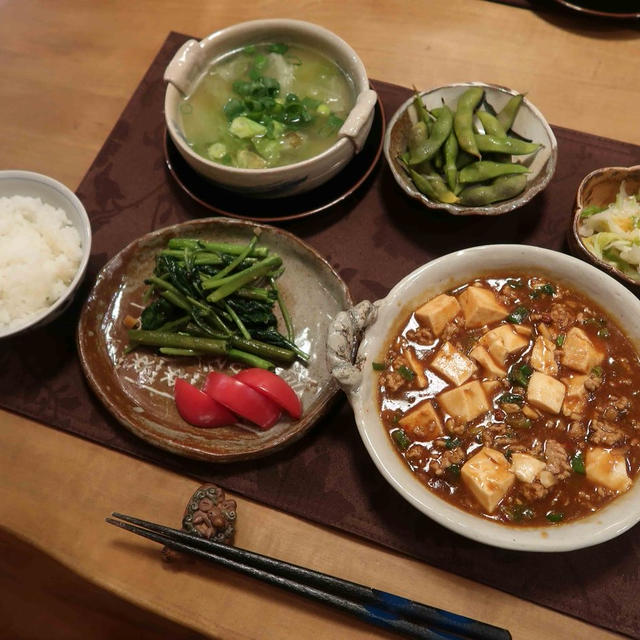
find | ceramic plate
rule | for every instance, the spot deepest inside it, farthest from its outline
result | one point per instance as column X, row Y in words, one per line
column 137, row 388
column 235, row 205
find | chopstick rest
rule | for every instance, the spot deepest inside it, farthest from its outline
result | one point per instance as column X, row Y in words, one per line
column 385, row 610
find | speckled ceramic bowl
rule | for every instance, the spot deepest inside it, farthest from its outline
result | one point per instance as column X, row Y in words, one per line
column 360, row 337
column 600, row 188
column 529, row 123
column 194, row 58
column 137, row 387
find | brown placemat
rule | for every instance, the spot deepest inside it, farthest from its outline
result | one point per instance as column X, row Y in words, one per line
column 373, row 239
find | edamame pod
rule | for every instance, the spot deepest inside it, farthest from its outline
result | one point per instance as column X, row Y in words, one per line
column 486, row 170
column 501, row 188
column 440, row 131
column 464, row 159
column 509, row 112
column 421, row 110
column 463, row 120
column 450, row 155
column 494, row 128
column 493, row 144
column 491, row 124
column 433, row 186
column 417, row 139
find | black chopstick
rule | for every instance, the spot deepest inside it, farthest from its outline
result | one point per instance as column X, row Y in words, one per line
column 377, row 607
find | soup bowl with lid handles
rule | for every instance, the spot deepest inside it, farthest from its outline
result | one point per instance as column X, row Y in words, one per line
column 194, row 58
column 360, row 336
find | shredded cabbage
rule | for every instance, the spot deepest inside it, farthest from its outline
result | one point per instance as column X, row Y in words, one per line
column 612, row 234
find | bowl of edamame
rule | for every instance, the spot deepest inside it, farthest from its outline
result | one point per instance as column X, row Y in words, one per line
column 470, row 149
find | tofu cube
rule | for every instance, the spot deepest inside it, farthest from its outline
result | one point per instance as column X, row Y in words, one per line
column 490, row 387
column 437, row 313
column 488, row 476
column 545, row 392
column 526, row 467
column 502, row 342
column 522, row 329
column 575, row 399
column 453, row 365
column 608, row 468
column 417, row 368
column 542, row 356
column 579, row 353
column 482, row 357
column 423, row 421
column 466, row 402
column 480, row 307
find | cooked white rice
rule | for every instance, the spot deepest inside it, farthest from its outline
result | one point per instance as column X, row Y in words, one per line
column 40, row 251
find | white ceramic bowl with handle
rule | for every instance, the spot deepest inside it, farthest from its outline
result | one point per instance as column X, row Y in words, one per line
column 360, row 336
column 193, row 59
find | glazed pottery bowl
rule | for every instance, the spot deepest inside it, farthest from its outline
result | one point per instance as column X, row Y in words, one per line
column 361, row 336
column 600, row 188
column 194, row 58
column 55, row 194
column 529, row 123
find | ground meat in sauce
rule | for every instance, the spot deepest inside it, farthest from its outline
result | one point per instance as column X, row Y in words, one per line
column 604, row 433
column 447, row 460
column 606, row 414
column 557, row 460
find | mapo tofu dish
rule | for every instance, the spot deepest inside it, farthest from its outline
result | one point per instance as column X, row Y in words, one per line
column 514, row 397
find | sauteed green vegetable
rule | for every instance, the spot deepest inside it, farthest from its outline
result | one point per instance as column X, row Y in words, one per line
column 209, row 298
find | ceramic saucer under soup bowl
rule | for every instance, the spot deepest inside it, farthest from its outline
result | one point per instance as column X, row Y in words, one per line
column 235, row 205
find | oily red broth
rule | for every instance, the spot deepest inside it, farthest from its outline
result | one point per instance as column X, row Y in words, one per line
column 514, row 397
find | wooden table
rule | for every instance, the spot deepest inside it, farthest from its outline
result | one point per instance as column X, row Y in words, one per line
column 67, row 68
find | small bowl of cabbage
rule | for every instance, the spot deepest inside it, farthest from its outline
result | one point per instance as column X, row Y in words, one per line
column 605, row 229
column 268, row 108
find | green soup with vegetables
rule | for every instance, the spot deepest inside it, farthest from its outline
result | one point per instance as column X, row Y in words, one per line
column 267, row 105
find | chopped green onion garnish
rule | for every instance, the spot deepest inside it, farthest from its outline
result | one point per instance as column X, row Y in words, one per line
column 560, row 340
column 452, row 443
column 518, row 421
column 520, row 374
column 597, row 371
column 520, row 512
column 511, row 398
column 554, row 516
column 603, row 333
column 518, row 315
column 515, row 284
column 378, row 366
column 545, row 289
column 401, row 439
column 278, row 47
column 577, row 463
column 454, row 471
column 406, row 373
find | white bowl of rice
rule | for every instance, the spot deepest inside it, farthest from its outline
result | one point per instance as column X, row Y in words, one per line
column 45, row 242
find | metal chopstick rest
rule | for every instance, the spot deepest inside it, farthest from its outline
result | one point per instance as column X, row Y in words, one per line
column 377, row 607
